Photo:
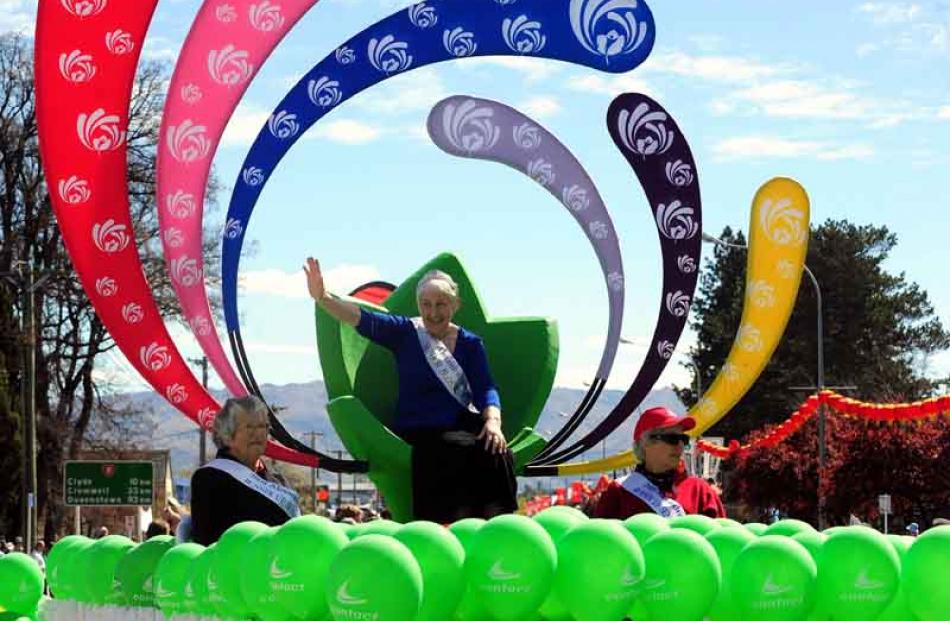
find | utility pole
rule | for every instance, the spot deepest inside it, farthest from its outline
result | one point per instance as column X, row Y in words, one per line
column 315, row 471
column 202, row 434
column 339, row 482
column 25, row 281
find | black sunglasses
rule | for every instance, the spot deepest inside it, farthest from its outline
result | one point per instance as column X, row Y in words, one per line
column 673, row 438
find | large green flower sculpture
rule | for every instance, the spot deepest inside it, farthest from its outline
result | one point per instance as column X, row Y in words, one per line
column 361, row 381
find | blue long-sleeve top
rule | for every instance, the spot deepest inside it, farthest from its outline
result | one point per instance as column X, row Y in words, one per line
column 423, row 401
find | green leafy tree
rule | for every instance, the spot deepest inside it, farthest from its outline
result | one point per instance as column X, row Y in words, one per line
column 879, row 328
column 72, row 410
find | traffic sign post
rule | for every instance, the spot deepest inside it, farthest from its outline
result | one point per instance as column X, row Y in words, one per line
column 109, row 483
column 884, row 504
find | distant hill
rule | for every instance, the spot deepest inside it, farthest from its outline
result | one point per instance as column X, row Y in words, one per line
column 305, row 411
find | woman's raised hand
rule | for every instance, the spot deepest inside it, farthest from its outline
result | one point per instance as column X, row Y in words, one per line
column 314, row 279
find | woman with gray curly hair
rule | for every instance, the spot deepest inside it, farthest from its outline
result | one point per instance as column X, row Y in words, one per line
column 660, row 483
column 237, row 486
column 448, row 407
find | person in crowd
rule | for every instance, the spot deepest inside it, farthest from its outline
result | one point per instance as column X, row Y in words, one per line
column 18, row 544
column 659, row 484
column 157, row 528
column 941, row 522
column 351, row 512
column 172, row 514
column 101, row 532
column 448, row 408
column 39, row 553
column 237, row 486
column 913, row 529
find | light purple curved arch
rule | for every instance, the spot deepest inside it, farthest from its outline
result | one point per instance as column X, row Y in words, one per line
column 228, row 43
column 488, row 130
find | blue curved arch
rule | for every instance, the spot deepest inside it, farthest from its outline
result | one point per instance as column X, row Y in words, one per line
column 609, row 35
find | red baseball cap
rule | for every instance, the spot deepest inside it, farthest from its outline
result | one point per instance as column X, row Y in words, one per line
column 658, row 418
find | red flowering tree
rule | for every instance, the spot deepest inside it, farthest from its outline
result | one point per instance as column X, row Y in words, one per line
column 909, row 461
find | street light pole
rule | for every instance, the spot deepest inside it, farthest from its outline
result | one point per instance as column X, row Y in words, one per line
column 25, row 281
column 314, row 471
column 822, row 451
column 202, row 435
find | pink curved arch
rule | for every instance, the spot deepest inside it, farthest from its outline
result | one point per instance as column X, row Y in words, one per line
column 84, row 63
column 228, row 43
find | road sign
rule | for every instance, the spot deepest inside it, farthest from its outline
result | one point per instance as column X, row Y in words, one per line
column 108, row 483
column 884, row 503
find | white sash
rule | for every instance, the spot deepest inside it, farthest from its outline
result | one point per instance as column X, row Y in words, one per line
column 645, row 490
column 283, row 497
column 446, row 368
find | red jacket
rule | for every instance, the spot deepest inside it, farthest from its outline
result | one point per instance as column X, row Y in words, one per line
column 693, row 493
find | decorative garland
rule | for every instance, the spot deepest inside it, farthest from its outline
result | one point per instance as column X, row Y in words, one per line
column 846, row 406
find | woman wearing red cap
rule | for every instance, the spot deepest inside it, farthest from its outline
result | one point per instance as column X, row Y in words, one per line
column 659, row 484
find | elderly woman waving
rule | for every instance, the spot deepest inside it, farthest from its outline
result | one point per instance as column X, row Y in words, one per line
column 236, row 486
column 448, row 408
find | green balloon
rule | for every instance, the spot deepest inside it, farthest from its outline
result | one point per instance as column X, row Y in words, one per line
column 374, row 577
column 442, row 560
column 812, row 541
column 727, row 522
column 387, row 528
column 259, row 567
column 215, row 596
column 727, row 542
column 21, row 583
column 564, row 510
column 56, row 563
column 859, row 574
column 350, row 530
column 171, row 577
column 773, row 579
column 136, row 570
column 899, row 609
column 511, row 567
column 834, row 529
column 926, row 568
column 198, row 583
column 14, row 616
column 600, row 570
column 645, row 525
column 471, row 608
column 226, row 567
column 304, row 549
column 101, row 559
column 788, row 528
column 73, row 570
column 700, row 524
column 756, row 528
column 683, row 576
column 557, row 522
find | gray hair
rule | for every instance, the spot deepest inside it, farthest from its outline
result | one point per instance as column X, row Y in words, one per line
column 442, row 281
column 225, row 423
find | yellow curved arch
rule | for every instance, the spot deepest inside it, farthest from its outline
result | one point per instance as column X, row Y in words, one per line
column 778, row 243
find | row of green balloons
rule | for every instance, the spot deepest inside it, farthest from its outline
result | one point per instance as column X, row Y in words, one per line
column 559, row 564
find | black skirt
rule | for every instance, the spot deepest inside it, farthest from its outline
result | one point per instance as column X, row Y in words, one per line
column 452, row 479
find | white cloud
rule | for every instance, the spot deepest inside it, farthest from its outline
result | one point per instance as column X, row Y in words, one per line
column 800, row 99
column 248, row 121
column 17, row 16
column 727, row 69
column 762, row 147
column 540, row 107
column 346, row 131
column 944, row 113
column 409, row 92
column 533, row 69
column 866, row 49
column 278, row 283
column 890, row 12
column 597, row 84
column 244, row 126
column 280, row 348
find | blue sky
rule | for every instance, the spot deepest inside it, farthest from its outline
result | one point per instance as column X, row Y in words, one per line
column 850, row 98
